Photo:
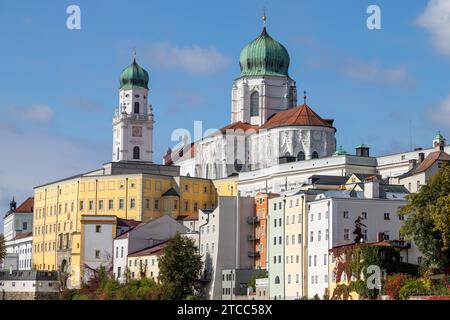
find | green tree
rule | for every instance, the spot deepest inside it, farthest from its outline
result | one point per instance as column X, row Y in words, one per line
column 179, row 268
column 428, row 219
column 2, row 248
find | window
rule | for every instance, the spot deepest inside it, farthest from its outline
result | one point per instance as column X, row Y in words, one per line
column 386, row 235
column 401, row 217
column 319, row 235
column 132, row 203
column 275, row 222
column 100, row 204
column 254, row 104
column 97, row 254
column 275, row 241
column 346, row 234
column 91, row 205
column 287, row 240
column 419, row 260
column 293, row 239
column 364, row 215
column 121, row 203
column 289, row 278
column 325, row 259
column 117, row 157
column 280, row 240
column 274, row 206
column 309, row 260
column 277, row 280
column 365, row 234
column 274, row 259
column 315, row 260
column 326, row 234
column 312, row 217
column 136, row 153
column 315, row 155
column 110, row 204
column 81, row 205
column 311, row 237
column 386, row 216
column 299, row 238
column 136, row 107
column 98, row 228
column 121, row 252
column 346, row 215
column 300, row 156
column 24, row 226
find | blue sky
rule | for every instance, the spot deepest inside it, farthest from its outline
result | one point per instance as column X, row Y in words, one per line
column 59, row 87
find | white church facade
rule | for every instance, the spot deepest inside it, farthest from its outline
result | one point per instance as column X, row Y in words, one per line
column 267, row 127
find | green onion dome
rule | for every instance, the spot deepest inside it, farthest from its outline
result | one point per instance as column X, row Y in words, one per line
column 264, row 56
column 134, row 76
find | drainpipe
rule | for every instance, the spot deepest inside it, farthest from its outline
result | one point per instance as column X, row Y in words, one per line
column 284, row 246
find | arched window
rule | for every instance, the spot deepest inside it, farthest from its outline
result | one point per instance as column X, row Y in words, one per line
column 136, row 153
column 254, row 104
column 315, row 155
column 300, row 156
column 136, row 107
column 277, row 280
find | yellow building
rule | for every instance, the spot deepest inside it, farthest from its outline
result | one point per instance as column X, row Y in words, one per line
column 145, row 263
column 226, row 187
column 128, row 190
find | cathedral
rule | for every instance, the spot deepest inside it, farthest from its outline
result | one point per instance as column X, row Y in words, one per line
column 267, row 126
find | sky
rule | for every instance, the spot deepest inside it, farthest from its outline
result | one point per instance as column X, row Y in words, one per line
column 387, row 88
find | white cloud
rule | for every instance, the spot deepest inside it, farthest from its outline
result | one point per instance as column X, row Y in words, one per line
column 436, row 19
column 375, row 72
column 193, row 59
column 32, row 159
column 36, row 113
column 441, row 113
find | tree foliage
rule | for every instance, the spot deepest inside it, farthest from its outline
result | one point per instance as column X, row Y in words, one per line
column 428, row 219
column 179, row 268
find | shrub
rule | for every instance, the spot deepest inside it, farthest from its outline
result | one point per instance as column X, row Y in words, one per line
column 80, row 296
column 68, row 294
column 394, row 284
column 413, row 287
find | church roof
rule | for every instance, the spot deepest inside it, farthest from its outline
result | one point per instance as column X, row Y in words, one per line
column 26, row 206
column 301, row 115
column 134, row 76
column 239, row 125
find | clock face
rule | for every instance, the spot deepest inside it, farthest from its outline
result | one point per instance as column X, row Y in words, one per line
column 137, row 131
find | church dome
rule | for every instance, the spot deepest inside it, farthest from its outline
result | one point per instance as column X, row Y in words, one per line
column 134, row 76
column 264, row 56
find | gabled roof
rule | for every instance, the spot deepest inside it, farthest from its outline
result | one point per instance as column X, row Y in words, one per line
column 301, row 115
column 430, row 160
column 149, row 250
column 26, row 206
column 171, row 192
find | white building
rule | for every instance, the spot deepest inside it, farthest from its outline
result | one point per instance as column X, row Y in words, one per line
column 140, row 237
column 18, row 226
column 223, row 241
column 266, row 124
column 331, row 222
column 133, row 119
column 29, row 285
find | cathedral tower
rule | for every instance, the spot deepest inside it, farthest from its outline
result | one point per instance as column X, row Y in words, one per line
column 133, row 119
column 264, row 86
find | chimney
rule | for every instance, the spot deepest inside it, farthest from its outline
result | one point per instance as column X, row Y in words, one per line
column 362, row 150
column 372, row 188
column 412, row 163
column 421, row 157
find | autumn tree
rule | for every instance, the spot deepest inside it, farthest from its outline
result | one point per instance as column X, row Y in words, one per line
column 428, row 219
column 179, row 268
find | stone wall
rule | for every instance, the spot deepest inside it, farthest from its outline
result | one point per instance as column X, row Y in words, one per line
column 29, row 296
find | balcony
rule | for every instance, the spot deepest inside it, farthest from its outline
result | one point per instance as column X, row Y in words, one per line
column 251, row 237
column 253, row 254
column 401, row 244
column 252, row 219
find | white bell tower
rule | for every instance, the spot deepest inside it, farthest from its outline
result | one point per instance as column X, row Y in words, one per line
column 133, row 119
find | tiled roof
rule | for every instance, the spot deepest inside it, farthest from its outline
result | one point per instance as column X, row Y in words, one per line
column 301, row 115
column 193, row 216
column 430, row 160
column 149, row 250
column 239, row 125
column 26, row 206
column 127, row 223
column 22, row 235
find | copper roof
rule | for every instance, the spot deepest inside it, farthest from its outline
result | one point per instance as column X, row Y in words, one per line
column 430, row 159
column 26, row 206
column 301, row 115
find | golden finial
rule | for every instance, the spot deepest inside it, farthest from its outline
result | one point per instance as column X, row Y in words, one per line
column 264, row 18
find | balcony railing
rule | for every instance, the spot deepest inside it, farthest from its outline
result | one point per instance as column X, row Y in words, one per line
column 252, row 219
column 251, row 237
column 401, row 244
column 253, row 254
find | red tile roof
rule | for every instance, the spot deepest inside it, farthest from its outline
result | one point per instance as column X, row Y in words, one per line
column 149, row 250
column 26, row 206
column 430, row 159
column 301, row 115
column 244, row 126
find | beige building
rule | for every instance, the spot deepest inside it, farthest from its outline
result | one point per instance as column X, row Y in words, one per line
column 145, row 263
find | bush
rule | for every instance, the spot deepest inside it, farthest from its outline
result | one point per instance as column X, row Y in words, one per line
column 68, row 294
column 413, row 287
column 394, row 284
column 80, row 296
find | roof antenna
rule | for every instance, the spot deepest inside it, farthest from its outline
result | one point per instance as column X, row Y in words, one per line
column 304, row 97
